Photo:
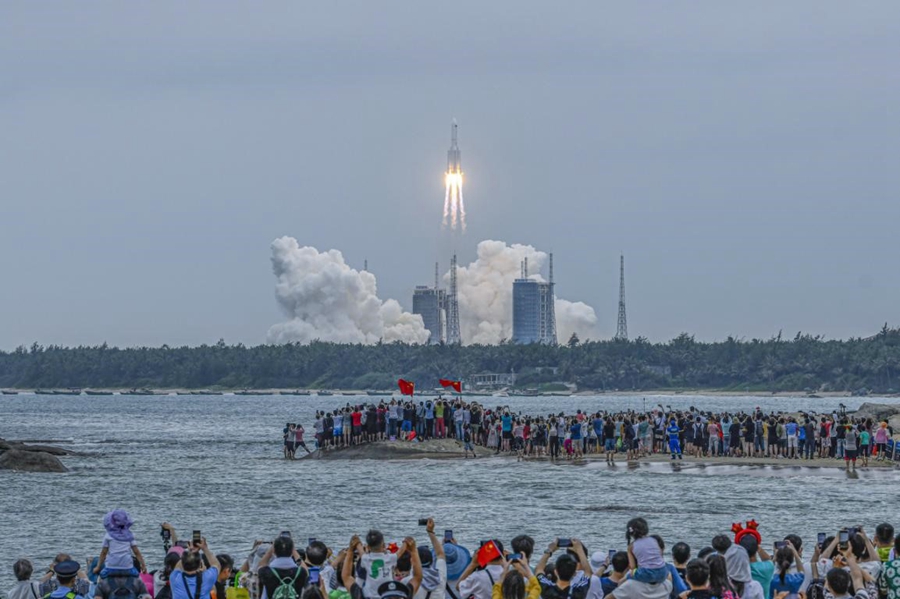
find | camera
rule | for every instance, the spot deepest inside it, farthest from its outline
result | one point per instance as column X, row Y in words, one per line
column 423, row 521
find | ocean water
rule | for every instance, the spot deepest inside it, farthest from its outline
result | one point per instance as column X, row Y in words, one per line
column 215, row 464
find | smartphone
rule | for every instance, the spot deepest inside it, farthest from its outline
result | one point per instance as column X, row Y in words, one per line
column 165, row 534
column 844, row 538
column 513, row 556
column 563, row 542
column 310, row 541
column 852, row 531
column 197, row 539
column 821, row 539
column 780, row 544
column 448, row 535
column 423, row 521
column 612, row 553
column 314, row 575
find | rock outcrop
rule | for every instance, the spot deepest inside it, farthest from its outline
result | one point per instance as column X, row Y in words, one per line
column 397, row 450
column 30, row 461
column 878, row 411
column 31, row 458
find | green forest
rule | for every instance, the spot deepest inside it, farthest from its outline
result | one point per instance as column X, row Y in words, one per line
column 802, row 363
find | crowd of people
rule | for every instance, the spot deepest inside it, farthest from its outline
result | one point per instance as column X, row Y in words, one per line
column 737, row 565
column 635, row 434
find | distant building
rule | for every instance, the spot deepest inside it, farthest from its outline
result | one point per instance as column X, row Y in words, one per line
column 429, row 303
column 491, row 379
column 533, row 317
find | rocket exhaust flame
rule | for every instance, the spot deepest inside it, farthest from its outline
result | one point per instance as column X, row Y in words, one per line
column 454, row 205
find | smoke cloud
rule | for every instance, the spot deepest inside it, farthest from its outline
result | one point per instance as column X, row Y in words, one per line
column 327, row 300
column 485, row 296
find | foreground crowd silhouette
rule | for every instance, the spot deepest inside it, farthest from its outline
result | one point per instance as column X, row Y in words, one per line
column 635, row 434
column 739, row 565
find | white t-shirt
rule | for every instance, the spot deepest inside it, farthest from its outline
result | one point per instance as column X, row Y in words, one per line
column 479, row 583
column 632, row 589
column 26, row 589
column 379, row 568
column 118, row 555
column 753, row 590
column 438, row 592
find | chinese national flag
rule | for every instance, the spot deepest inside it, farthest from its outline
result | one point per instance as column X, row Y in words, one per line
column 487, row 554
column 456, row 385
column 406, row 387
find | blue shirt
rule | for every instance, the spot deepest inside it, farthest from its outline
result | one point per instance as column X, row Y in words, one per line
column 177, row 582
column 576, row 432
column 792, row 583
column 507, row 423
column 791, row 428
column 61, row 592
column 673, row 432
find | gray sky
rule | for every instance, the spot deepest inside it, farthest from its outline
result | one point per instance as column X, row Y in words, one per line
column 745, row 157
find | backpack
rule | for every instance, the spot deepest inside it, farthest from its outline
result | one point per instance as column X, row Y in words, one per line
column 285, row 589
column 122, row 592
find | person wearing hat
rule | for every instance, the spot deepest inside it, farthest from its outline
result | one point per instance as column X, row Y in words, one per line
column 458, row 559
column 49, row 584
column 66, row 574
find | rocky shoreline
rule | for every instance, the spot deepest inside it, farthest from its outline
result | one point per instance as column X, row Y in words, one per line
column 22, row 457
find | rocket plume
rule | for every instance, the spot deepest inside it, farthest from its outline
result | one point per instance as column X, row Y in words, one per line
column 327, row 300
column 454, row 205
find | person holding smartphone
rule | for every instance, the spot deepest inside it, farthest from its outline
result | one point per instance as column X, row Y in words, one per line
column 189, row 580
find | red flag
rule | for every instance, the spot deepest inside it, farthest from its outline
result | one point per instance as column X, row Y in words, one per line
column 487, row 554
column 456, row 385
column 406, row 387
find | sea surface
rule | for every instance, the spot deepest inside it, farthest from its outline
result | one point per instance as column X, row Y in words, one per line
column 214, row 463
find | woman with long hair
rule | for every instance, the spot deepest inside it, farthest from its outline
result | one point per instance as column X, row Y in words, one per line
column 719, row 584
column 785, row 579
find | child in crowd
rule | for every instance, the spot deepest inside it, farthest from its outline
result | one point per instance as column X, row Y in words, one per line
column 645, row 559
column 118, row 546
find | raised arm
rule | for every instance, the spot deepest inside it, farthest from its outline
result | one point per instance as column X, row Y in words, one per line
column 582, row 558
column 210, row 556
column 347, row 569
column 267, row 557
column 542, row 564
column 416, row 566
column 435, row 543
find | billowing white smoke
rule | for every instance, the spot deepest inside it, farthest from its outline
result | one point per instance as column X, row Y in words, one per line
column 329, row 301
column 485, row 296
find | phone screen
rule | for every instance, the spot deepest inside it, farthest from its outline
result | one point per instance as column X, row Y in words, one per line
column 448, row 535
column 564, row 542
column 311, row 541
column 612, row 553
column 845, row 536
column 197, row 538
column 821, row 539
column 313, row 575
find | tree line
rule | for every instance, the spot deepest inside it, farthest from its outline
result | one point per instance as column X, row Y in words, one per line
column 802, row 363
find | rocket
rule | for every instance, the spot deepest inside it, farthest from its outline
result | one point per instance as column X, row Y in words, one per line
column 453, row 155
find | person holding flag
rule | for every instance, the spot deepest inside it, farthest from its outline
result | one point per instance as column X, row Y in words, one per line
column 479, row 584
